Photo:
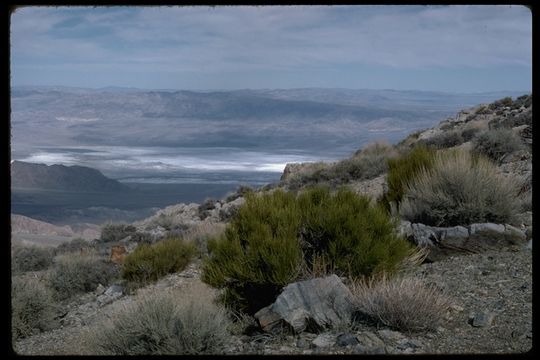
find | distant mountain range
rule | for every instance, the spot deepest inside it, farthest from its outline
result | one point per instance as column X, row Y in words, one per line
column 59, row 177
column 313, row 119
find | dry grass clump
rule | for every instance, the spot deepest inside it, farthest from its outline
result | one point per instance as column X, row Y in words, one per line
column 459, row 188
column 32, row 307
column 402, row 303
column 165, row 324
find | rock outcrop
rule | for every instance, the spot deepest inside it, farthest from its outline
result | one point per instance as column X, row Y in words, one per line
column 310, row 305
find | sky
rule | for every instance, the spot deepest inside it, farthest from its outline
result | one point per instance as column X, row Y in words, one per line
column 434, row 48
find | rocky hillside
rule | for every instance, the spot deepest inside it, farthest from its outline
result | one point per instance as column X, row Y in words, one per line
column 61, row 177
column 483, row 270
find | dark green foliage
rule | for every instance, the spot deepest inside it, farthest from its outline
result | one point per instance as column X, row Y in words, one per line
column 150, row 262
column 32, row 308
column 274, row 236
column 403, row 170
column 469, row 134
column 445, row 140
column 116, row 232
column 31, row 258
column 496, row 105
column 497, row 143
column 74, row 274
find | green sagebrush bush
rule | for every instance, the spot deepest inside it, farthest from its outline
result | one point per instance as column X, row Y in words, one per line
column 30, row 258
column 402, row 170
column 77, row 244
column 164, row 324
column 74, row 274
column 274, row 236
column 460, row 188
column 150, row 262
column 444, row 140
column 32, row 307
column 497, row 142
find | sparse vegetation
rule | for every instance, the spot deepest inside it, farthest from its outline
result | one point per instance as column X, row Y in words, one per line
column 365, row 164
column 459, row 188
column 402, row 303
column 402, row 170
column 165, row 324
column 30, row 258
column 115, row 232
column 32, row 307
column 274, row 237
column 74, row 245
column 150, row 262
column 497, row 142
column 74, row 274
column 444, row 140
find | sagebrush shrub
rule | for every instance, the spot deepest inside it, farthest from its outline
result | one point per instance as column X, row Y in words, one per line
column 444, row 140
column 274, row 237
column 32, row 307
column 150, row 262
column 74, row 245
column 497, row 142
column 115, row 232
column 460, row 189
column 30, row 258
column 165, row 324
column 74, row 274
column 402, row 303
column 404, row 169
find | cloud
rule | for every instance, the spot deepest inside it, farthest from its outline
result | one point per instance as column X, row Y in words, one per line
column 248, row 39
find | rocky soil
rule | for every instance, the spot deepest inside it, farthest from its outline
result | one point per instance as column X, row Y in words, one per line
column 491, row 312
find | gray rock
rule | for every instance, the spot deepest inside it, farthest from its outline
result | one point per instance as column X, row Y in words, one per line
column 390, row 335
column 324, row 340
column 370, row 340
column 405, row 229
column 303, row 343
column 490, row 236
column 346, row 340
column 100, row 289
column 423, row 235
column 514, row 235
column 481, row 319
column 529, row 245
column 113, row 290
column 310, row 305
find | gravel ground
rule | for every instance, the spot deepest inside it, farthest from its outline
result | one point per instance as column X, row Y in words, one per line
column 494, row 286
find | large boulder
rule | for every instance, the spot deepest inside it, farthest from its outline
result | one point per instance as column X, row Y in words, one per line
column 310, row 305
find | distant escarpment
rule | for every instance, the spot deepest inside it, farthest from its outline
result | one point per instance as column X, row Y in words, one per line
column 61, row 177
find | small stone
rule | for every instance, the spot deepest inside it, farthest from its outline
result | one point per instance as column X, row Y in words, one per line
column 390, row 335
column 303, row 343
column 346, row 340
column 100, row 289
column 324, row 340
column 456, row 308
column 482, row 319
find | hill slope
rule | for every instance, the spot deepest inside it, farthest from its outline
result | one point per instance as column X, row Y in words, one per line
column 61, row 177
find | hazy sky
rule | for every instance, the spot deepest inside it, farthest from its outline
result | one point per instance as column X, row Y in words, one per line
column 443, row 48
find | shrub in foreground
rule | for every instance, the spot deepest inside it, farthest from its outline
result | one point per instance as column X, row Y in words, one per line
column 404, row 169
column 405, row 304
column 497, row 143
column 151, row 262
column 32, row 308
column 460, row 189
column 74, row 274
column 275, row 237
column 31, row 258
column 164, row 324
